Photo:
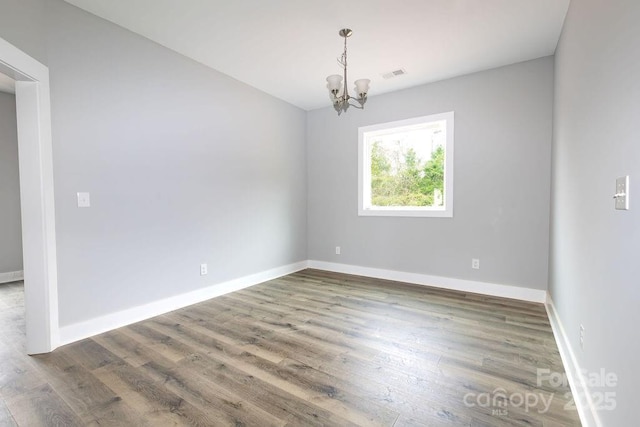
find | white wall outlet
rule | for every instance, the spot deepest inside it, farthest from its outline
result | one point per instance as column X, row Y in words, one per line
column 475, row 263
column 337, row 250
column 84, row 200
column 581, row 336
column 203, row 269
column 622, row 193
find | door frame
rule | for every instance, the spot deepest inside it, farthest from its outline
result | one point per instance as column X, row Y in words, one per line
column 33, row 110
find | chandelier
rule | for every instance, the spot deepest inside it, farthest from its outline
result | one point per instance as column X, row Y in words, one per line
column 338, row 93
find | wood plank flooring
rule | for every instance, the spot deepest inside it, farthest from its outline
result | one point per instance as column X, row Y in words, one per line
column 309, row 349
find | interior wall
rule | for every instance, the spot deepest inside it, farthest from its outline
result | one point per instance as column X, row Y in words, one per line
column 503, row 126
column 594, row 248
column 184, row 166
column 10, row 223
column 22, row 25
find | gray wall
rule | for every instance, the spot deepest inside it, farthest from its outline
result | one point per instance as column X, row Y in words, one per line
column 184, row 165
column 503, row 126
column 10, row 224
column 595, row 271
column 22, row 24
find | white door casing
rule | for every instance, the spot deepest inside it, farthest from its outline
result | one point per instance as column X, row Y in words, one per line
column 36, row 194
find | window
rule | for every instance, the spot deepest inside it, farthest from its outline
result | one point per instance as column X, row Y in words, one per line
column 406, row 167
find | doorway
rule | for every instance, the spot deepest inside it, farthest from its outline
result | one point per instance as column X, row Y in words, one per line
column 10, row 226
column 12, row 320
column 33, row 113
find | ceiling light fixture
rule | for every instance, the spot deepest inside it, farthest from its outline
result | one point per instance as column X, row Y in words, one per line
column 339, row 93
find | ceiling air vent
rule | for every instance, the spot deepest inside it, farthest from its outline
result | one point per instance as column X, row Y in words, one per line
column 394, row 73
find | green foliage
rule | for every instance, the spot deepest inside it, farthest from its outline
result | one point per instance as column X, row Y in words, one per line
column 399, row 179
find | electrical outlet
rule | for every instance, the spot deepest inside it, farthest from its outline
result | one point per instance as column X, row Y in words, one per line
column 581, row 336
column 203, row 269
column 475, row 263
column 84, row 200
column 337, row 250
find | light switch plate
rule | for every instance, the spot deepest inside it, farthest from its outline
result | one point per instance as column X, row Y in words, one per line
column 84, row 200
column 622, row 193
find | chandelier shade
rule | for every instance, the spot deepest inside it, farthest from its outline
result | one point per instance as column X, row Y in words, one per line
column 362, row 87
column 334, row 83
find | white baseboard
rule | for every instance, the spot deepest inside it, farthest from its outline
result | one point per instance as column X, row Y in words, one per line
column 505, row 291
column 11, row 276
column 98, row 325
column 581, row 395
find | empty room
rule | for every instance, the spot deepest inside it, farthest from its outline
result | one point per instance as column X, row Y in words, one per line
column 324, row 213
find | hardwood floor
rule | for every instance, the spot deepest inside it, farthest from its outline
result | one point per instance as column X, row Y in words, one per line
column 311, row 348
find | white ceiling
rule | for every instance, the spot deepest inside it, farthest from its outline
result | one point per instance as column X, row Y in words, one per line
column 7, row 84
column 287, row 47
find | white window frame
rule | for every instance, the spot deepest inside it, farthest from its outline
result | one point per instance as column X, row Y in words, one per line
column 364, row 169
